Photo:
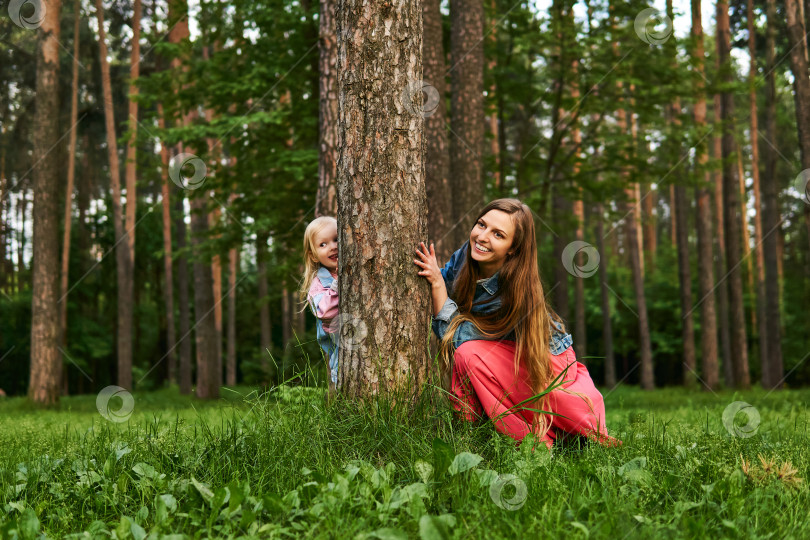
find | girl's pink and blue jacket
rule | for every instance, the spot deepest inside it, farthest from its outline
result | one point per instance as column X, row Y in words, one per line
column 323, row 301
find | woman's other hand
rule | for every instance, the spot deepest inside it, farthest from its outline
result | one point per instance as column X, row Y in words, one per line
column 429, row 265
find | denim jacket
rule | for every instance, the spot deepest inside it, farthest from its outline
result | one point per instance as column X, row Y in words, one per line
column 323, row 301
column 486, row 289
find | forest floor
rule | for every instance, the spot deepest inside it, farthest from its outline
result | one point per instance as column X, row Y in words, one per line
column 293, row 464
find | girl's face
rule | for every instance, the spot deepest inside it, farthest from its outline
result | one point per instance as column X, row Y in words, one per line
column 491, row 239
column 326, row 247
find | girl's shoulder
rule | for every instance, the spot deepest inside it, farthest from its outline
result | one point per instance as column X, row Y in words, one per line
column 321, row 282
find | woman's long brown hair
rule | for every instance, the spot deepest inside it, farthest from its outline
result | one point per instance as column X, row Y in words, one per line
column 523, row 304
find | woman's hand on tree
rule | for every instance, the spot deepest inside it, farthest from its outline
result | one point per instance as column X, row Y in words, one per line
column 429, row 265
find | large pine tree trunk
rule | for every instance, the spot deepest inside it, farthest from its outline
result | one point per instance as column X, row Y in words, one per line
column 437, row 153
column 326, row 204
column 703, row 220
column 46, row 363
column 71, row 174
column 732, row 218
column 381, row 195
column 122, row 253
column 801, row 85
column 467, row 114
column 770, row 216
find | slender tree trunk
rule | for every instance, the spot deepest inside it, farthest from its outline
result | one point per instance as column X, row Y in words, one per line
column 208, row 382
column 733, row 221
column 230, row 363
column 264, row 308
column 703, row 221
column 326, row 204
column 467, row 119
column 607, row 330
column 682, row 237
column 168, row 287
column 645, row 347
column 46, row 363
column 770, row 217
column 216, row 277
column 801, row 85
column 648, row 196
column 560, row 210
column 746, row 236
column 132, row 145
column 685, row 279
column 183, row 300
column 674, row 214
column 752, row 103
column 722, row 284
column 122, row 253
column 382, row 152
column 437, row 157
column 179, row 32
column 71, row 174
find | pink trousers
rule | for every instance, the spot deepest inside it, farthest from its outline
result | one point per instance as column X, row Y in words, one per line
column 484, row 382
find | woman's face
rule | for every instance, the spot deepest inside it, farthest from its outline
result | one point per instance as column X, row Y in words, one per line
column 326, row 247
column 491, row 239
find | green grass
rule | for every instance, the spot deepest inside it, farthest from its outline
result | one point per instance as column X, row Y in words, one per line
column 292, row 464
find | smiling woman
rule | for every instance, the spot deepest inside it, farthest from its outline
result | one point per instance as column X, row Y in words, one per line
column 512, row 359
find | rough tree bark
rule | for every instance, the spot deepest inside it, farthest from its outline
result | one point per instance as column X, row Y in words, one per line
column 437, row 157
column 381, row 196
column 733, row 220
column 46, row 364
column 770, row 214
column 703, row 220
column 122, row 253
column 467, row 113
column 326, row 200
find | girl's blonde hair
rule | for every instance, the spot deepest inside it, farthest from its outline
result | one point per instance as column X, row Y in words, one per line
column 311, row 263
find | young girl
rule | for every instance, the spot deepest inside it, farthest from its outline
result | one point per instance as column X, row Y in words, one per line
column 508, row 345
column 319, row 288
